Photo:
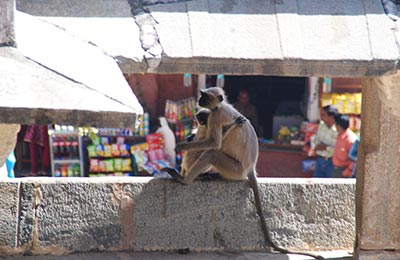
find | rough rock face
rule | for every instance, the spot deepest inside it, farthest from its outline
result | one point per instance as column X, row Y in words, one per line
column 62, row 215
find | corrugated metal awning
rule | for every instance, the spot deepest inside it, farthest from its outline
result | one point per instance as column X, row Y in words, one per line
column 352, row 38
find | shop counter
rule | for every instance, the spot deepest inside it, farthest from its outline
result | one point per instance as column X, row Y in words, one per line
column 281, row 160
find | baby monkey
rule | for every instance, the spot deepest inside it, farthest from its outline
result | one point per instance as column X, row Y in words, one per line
column 192, row 155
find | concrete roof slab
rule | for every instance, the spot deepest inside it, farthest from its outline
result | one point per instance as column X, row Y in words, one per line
column 245, row 36
column 177, row 21
column 33, row 94
column 73, row 58
column 381, row 32
column 234, row 30
column 119, row 36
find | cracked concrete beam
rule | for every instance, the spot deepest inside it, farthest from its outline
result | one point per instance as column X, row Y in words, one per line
column 138, row 6
column 149, row 39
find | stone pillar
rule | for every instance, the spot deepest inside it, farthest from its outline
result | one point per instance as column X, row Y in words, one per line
column 8, row 132
column 378, row 174
column 7, row 35
column 8, row 139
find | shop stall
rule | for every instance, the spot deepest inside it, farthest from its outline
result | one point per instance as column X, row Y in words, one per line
column 287, row 107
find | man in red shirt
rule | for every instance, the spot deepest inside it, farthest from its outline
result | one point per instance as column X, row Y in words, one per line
column 342, row 165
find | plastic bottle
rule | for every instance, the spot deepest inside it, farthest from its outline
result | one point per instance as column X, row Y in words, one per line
column 220, row 80
column 169, row 140
column 57, row 171
column 187, row 79
column 75, row 148
column 178, row 160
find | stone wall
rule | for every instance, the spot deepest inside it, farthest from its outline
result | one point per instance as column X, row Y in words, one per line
column 59, row 216
column 7, row 35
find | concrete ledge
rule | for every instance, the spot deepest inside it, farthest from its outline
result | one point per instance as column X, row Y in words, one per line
column 59, row 216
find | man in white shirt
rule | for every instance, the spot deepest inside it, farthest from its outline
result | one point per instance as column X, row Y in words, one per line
column 324, row 142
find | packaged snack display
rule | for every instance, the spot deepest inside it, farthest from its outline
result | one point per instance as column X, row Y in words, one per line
column 346, row 103
column 92, row 151
column 144, row 126
column 94, row 165
column 180, row 110
column 127, row 164
column 115, row 150
column 121, row 159
column 124, row 150
column 109, row 163
column 105, row 140
column 102, row 166
column 107, row 150
column 118, row 164
column 139, row 152
column 156, row 155
column 120, row 140
column 100, row 150
column 154, row 141
column 110, row 158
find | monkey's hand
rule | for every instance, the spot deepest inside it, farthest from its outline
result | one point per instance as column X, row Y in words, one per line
column 174, row 174
column 190, row 138
column 181, row 146
column 240, row 120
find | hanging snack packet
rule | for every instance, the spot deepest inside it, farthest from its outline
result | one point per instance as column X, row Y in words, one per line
column 100, row 150
column 107, row 150
column 94, row 165
column 91, row 151
column 118, row 164
column 102, row 166
column 126, row 165
column 124, row 150
column 115, row 150
column 109, row 165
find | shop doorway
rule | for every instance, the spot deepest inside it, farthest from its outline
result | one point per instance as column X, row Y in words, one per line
column 272, row 96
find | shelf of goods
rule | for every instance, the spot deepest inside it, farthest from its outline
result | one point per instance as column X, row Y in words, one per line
column 180, row 116
column 110, row 156
column 346, row 103
column 65, row 152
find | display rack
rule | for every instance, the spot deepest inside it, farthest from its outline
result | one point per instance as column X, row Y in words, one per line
column 65, row 152
column 108, row 153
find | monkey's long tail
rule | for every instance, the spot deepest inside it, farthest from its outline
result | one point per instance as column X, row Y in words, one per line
column 265, row 230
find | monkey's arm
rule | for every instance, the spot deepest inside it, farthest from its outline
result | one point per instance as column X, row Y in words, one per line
column 213, row 141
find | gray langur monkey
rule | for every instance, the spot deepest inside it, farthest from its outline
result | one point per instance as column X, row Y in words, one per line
column 190, row 157
column 234, row 156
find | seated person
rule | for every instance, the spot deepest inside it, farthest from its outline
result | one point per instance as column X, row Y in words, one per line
column 342, row 165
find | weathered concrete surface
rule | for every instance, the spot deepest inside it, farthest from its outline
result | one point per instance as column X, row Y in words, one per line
column 9, row 199
column 378, row 255
column 281, row 38
column 378, row 223
column 331, row 255
column 60, row 216
column 7, row 33
column 32, row 94
column 53, row 80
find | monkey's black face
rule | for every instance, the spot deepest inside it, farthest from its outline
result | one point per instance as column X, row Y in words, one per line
column 204, row 99
column 202, row 118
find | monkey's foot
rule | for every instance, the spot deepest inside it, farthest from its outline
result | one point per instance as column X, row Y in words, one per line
column 174, row 174
column 209, row 176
